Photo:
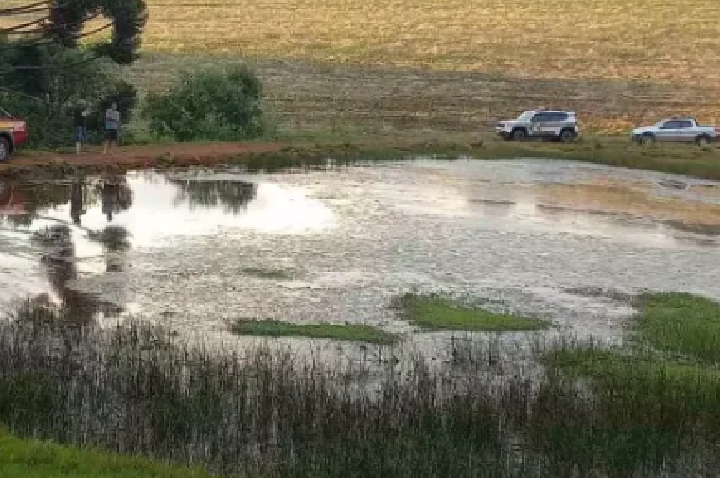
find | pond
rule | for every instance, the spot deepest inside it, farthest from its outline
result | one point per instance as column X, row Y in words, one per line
column 197, row 248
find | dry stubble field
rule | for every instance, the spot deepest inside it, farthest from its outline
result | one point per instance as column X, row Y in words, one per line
column 449, row 65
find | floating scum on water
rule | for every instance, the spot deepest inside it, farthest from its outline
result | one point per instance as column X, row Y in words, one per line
column 356, row 237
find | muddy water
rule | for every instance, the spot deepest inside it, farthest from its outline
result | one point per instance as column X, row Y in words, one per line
column 181, row 247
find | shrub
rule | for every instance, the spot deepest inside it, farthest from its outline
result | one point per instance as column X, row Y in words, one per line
column 212, row 104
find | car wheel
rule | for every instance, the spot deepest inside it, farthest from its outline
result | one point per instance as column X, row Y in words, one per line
column 566, row 136
column 4, row 150
column 702, row 140
column 519, row 134
column 647, row 139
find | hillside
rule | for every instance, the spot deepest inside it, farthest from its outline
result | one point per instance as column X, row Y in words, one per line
column 451, row 65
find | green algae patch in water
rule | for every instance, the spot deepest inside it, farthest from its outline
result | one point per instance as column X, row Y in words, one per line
column 349, row 332
column 434, row 312
column 262, row 273
column 681, row 323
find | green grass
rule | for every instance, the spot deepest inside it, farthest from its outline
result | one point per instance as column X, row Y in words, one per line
column 633, row 366
column 681, row 323
column 677, row 338
column 618, row 151
column 434, row 312
column 307, row 418
column 262, row 273
column 639, row 388
column 21, row 458
column 314, row 150
column 666, row 381
column 349, row 332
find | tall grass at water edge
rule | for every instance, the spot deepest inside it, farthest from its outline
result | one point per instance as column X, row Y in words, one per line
column 139, row 389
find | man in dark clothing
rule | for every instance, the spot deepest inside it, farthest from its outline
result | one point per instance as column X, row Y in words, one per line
column 80, row 121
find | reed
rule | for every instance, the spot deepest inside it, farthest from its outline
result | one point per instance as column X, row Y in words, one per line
column 139, row 389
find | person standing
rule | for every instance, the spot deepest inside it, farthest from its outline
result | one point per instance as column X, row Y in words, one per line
column 112, row 124
column 80, row 121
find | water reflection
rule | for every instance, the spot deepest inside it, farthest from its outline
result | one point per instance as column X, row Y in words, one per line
column 356, row 237
column 20, row 202
column 233, row 196
column 115, row 241
column 82, row 230
column 12, row 200
column 527, row 213
column 116, row 195
column 59, row 261
column 76, row 201
column 64, row 242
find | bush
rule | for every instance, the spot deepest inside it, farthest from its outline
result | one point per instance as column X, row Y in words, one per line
column 211, row 105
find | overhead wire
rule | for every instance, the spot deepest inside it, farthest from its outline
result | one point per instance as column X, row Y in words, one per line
column 31, row 8
column 64, row 66
column 17, row 30
column 14, row 29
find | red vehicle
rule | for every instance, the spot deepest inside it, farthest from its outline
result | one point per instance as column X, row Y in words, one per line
column 13, row 133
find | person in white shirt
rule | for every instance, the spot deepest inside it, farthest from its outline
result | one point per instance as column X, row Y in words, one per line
column 112, row 124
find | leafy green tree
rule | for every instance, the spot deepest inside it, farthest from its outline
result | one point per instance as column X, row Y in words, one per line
column 46, row 68
column 211, row 104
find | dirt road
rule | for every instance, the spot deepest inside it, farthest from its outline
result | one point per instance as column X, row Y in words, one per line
column 143, row 156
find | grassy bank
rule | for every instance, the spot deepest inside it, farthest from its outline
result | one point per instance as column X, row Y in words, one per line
column 138, row 389
column 668, row 375
column 687, row 160
column 38, row 459
column 435, row 312
column 348, row 332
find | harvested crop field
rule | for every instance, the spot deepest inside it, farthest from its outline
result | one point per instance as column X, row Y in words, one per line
column 353, row 100
column 455, row 65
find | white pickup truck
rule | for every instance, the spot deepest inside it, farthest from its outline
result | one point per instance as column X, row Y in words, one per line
column 679, row 130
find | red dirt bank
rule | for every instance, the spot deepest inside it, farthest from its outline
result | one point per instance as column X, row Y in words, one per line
column 144, row 156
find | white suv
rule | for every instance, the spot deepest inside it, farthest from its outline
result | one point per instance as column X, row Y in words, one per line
column 557, row 125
